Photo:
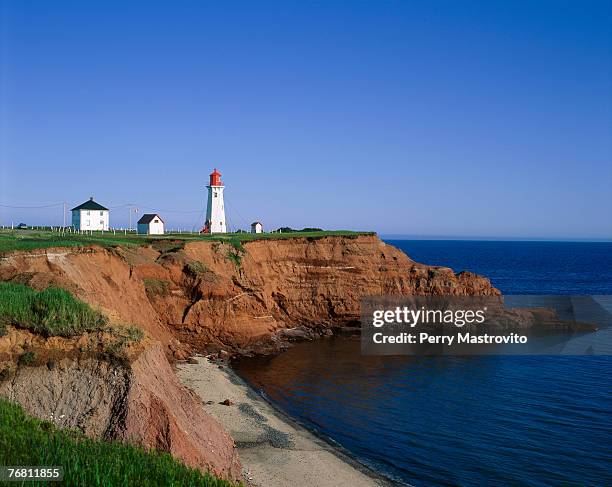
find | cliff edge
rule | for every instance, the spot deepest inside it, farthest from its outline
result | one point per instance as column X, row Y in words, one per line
column 199, row 295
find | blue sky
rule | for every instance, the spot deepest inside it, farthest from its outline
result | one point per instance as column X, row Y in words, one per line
column 425, row 118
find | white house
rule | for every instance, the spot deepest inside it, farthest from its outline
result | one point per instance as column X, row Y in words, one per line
column 90, row 216
column 151, row 224
column 256, row 227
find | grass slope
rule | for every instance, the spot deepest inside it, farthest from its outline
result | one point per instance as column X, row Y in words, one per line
column 11, row 240
column 49, row 312
column 86, row 462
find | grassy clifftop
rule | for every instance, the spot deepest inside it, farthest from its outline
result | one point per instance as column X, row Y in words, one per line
column 28, row 441
column 12, row 240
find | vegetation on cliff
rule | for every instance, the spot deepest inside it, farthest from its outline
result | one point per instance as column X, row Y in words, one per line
column 156, row 287
column 50, row 312
column 236, row 252
column 28, row 441
column 12, row 240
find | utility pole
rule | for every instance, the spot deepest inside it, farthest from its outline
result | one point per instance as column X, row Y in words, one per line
column 64, row 214
column 135, row 210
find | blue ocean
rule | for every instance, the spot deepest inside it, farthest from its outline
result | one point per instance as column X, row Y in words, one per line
column 494, row 420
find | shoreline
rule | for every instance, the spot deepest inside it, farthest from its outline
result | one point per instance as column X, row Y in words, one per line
column 274, row 448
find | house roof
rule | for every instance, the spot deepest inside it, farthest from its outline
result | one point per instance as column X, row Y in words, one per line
column 89, row 205
column 256, row 223
column 148, row 218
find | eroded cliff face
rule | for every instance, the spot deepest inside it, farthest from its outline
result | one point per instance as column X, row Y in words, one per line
column 317, row 284
column 160, row 413
column 208, row 294
column 135, row 397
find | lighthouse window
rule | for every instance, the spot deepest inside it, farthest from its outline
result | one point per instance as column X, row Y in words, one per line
column 215, row 194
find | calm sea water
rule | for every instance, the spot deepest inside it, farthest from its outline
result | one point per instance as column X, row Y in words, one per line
column 464, row 420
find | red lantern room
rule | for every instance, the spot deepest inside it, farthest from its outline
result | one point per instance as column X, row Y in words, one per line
column 215, row 178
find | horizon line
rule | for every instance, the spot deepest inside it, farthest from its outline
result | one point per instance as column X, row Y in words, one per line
column 473, row 238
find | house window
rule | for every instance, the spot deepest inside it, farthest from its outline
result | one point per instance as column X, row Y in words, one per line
column 88, row 213
column 101, row 222
column 215, row 194
column 155, row 221
column 101, row 213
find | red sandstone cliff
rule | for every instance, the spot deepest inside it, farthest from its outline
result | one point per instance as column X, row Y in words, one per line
column 201, row 296
column 197, row 296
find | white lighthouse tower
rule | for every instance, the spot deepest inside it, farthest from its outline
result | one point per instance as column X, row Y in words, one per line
column 215, row 211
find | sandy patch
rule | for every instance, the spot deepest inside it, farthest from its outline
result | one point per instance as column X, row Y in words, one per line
column 274, row 450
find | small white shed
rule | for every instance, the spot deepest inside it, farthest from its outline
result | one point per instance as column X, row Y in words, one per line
column 256, row 227
column 150, row 224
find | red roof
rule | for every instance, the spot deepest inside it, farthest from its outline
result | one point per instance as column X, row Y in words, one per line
column 215, row 178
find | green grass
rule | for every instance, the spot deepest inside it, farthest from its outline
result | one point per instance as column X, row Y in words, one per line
column 12, row 240
column 28, row 441
column 49, row 312
column 33, row 239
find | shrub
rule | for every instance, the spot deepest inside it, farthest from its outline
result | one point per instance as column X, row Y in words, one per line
column 134, row 334
column 168, row 246
column 235, row 257
column 4, row 373
column 156, row 287
column 196, row 268
column 236, row 252
column 237, row 244
column 27, row 358
column 124, row 335
column 50, row 312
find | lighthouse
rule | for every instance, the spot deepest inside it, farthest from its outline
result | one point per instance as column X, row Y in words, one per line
column 215, row 211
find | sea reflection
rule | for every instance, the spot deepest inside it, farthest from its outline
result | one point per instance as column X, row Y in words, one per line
column 473, row 420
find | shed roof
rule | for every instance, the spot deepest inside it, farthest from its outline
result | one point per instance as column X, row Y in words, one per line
column 148, row 218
